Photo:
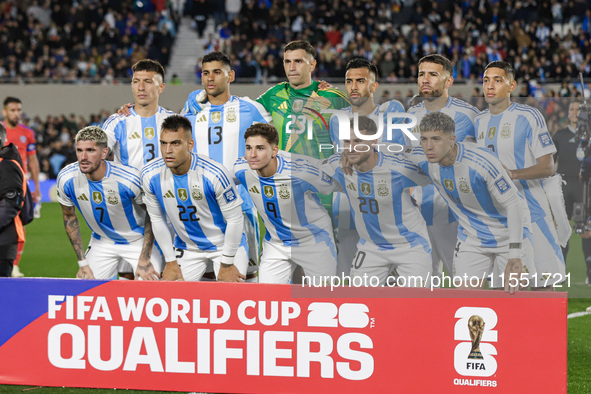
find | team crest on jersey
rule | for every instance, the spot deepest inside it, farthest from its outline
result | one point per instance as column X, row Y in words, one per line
column 112, row 197
column 366, row 188
column 216, row 116
column 492, row 132
column 97, row 197
column 463, row 185
column 182, row 194
column 283, row 192
column 269, row 192
column 297, row 106
column 196, row 192
column 506, row 130
column 449, row 184
column 231, row 115
column 502, row 185
column 230, row 195
column 149, row 132
column 545, row 139
column 383, row 190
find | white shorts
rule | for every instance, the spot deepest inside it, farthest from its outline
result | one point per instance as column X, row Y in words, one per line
column 443, row 239
column 474, row 262
column 105, row 257
column 194, row 263
column 412, row 264
column 548, row 257
column 279, row 261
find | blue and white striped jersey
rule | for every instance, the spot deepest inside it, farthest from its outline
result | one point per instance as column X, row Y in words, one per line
column 193, row 203
column 518, row 137
column 218, row 130
column 433, row 208
column 460, row 111
column 111, row 206
column 384, row 214
column 287, row 201
column 476, row 188
column 134, row 139
column 382, row 110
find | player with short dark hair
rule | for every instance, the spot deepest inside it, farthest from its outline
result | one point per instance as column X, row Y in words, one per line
column 517, row 134
column 284, row 188
column 199, row 199
column 24, row 139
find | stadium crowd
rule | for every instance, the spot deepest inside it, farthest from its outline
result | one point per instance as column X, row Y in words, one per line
column 546, row 46
column 89, row 41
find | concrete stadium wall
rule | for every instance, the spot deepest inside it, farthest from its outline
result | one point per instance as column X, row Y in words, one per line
column 43, row 100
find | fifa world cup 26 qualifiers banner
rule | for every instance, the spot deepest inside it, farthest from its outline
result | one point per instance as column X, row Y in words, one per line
column 221, row 337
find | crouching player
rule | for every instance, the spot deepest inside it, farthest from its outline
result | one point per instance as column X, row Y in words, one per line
column 200, row 200
column 493, row 231
column 109, row 198
column 283, row 187
column 393, row 235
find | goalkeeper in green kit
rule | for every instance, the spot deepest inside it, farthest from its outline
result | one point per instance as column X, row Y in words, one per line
column 297, row 107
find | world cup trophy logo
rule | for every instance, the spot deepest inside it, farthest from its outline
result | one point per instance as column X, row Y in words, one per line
column 476, row 327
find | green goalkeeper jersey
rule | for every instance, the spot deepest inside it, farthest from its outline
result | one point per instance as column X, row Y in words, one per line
column 299, row 116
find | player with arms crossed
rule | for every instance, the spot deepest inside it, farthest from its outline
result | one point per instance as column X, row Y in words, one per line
column 434, row 80
column 493, row 233
column 393, row 235
column 109, row 198
column 283, row 187
column 199, row 198
column 517, row 134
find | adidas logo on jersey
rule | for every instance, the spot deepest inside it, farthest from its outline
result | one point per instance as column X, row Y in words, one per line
column 254, row 189
column 169, row 194
column 283, row 105
column 203, row 118
column 82, row 197
column 134, row 136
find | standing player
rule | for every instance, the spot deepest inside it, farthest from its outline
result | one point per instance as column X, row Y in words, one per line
column 108, row 196
column 219, row 126
column 568, row 165
column 200, row 200
column 434, row 80
column 361, row 84
column 283, row 187
column 24, row 139
column 493, row 235
column 518, row 136
column 393, row 235
column 134, row 137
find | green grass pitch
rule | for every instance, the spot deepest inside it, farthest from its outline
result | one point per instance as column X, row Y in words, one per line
column 48, row 253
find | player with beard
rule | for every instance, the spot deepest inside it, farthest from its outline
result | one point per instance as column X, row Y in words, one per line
column 434, row 79
column 109, row 197
column 361, row 83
